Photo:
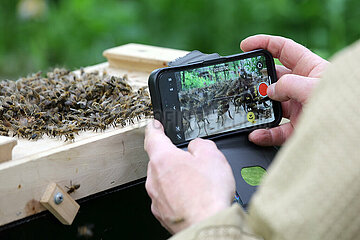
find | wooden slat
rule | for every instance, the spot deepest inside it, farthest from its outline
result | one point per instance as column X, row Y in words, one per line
column 96, row 163
column 140, row 57
column 6, row 146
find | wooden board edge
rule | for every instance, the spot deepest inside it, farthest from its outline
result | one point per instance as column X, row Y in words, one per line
column 140, row 57
column 6, row 146
column 95, row 163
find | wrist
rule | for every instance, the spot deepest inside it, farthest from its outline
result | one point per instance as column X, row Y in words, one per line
column 205, row 211
column 208, row 210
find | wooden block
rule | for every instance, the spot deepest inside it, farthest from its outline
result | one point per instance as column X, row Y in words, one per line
column 141, row 57
column 6, row 146
column 60, row 204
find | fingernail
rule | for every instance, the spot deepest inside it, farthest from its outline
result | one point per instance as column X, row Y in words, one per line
column 271, row 90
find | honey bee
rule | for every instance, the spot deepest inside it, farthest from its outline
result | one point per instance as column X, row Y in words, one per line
column 62, row 104
column 72, row 188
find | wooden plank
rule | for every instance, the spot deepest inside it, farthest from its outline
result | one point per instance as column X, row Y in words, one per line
column 96, row 161
column 6, row 146
column 60, row 204
column 141, row 57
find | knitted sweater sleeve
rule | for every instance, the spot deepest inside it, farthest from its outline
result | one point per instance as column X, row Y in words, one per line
column 312, row 189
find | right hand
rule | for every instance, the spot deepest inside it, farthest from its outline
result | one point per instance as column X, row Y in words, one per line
column 185, row 186
column 297, row 78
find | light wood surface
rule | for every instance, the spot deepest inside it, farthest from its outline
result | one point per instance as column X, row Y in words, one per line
column 66, row 210
column 97, row 161
column 141, row 57
column 6, row 146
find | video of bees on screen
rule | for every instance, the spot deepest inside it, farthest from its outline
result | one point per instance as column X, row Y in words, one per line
column 224, row 97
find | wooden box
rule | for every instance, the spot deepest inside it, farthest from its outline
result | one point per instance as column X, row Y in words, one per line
column 96, row 161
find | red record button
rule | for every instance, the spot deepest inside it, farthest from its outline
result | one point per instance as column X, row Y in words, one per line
column 263, row 89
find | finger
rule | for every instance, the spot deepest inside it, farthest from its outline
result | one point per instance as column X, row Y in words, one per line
column 291, row 86
column 291, row 54
column 281, row 71
column 155, row 139
column 155, row 211
column 273, row 136
column 149, row 183
column 289, row 108
column 200, row 146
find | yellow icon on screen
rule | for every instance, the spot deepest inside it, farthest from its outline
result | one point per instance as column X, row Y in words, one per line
column 251, row 117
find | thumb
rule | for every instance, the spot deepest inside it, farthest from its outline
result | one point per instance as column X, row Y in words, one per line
column 291, row 86
column 155, row 139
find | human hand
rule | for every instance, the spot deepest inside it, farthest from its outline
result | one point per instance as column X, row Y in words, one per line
column 185, row 187
column 297, row 78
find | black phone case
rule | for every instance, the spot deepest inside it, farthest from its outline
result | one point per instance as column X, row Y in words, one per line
column 199, row 61
column 236, row 147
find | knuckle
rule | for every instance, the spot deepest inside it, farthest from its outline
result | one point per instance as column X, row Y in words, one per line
column 195, row 141
column 154, row 211
column 284, row 78
column 209, row 142
column 148, row 186
column 201, row 142
column 157, row 159
column 154, row 162
column 219, row 155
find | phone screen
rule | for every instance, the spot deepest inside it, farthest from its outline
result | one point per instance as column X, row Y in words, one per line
column 219, row 98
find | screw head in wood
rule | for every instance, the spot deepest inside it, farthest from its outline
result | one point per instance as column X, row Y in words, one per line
column 58, row 198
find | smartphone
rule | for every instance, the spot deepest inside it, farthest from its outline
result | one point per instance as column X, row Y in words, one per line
column 216, row 97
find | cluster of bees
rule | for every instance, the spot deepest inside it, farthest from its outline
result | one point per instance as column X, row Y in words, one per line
column 242, row 93
column 62, row 104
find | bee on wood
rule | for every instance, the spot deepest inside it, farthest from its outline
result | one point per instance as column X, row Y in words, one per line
column 35, row 136
column 72, row 188
column 4, row 131
column 62, row 104
column 69, row 137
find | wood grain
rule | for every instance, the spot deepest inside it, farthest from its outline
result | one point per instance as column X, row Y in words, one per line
column 96, row 163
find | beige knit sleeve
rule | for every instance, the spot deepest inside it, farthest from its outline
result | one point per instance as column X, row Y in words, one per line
column 312, row 190
column 229, row 224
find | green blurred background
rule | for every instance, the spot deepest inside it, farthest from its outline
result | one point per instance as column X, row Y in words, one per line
column 38, row 34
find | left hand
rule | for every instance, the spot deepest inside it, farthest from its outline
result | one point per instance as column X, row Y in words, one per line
column 297, row 79
column 185, row 187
